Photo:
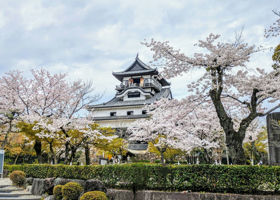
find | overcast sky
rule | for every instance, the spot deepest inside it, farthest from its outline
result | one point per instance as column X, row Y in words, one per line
column 88, row 39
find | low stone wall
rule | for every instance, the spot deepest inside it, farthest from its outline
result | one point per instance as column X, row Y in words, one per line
column 42, row 186
column 114, row 194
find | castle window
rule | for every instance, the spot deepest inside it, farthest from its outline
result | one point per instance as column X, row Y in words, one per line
column 147, row 80
column 125, row 82
column 141, row 82
column 136, row 80
column 129, row 113
column 112, row 114
column 144, row 112
column 133, row 94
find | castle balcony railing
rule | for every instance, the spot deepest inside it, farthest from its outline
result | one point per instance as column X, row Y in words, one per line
column 146, row 84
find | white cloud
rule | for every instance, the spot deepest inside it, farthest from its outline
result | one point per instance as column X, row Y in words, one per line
column 3, row 20
column 34, row 15
column 90, row 39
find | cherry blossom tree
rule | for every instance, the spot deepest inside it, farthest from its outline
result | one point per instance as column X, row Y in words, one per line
column 178, row 124
column 203, row 124
column 72, row 134
column 45, row 94
column 225, row 78
column 10, row 109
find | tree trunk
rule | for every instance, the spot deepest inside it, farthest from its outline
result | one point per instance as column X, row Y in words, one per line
column 234, row 139
column 162, row 157
column 161, row 151
column 6, row 135
column 66, row 153
column 206, row 156
column 67, row 147
column 38, row 150
column 227, row 155
column 234, row 142
column 73, row 154
column 58, row 156
column 87, row 154
column 52, row 159
column 15, row 162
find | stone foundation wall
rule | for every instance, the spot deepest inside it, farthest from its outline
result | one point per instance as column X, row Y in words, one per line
column 42, row 186
column 114, row 194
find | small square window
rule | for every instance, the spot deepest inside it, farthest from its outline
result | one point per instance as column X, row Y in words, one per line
column 129, row 112
column 112, row 114
column 133, row 94
column 144, row 112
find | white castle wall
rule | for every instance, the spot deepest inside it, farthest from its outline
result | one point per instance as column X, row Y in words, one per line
column 121, row 111
column 123, row 123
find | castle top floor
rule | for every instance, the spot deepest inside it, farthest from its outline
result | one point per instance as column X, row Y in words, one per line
column 140, row 75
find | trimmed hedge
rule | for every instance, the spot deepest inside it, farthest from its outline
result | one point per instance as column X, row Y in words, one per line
column 206, row 178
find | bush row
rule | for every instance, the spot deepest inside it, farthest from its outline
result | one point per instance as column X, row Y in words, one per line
column 73, row 190
column 207, row 178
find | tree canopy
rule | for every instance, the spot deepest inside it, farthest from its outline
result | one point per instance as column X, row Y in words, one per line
column 239, row 95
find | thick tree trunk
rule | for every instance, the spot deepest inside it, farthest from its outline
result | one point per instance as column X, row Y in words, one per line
column 38, row 150
column 234, row 139
column 234, row 142
column 87, row 154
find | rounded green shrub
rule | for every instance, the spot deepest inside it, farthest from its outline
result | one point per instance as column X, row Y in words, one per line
column 71, row 191
column 18, row 178
column 57, row 192
column 94, row 195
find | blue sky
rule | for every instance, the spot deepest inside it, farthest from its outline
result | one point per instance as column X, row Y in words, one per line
column 90, row 39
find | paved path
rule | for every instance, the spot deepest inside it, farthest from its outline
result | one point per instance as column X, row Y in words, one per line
column 10, row 192
column 5, row 181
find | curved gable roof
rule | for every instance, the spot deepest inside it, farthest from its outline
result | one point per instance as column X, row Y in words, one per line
column 136, row 68
column 138, row 65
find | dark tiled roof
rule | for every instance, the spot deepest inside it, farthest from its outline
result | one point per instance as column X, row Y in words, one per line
column 139, row 68
column 120, row 75
column 117, row 102
column 164, row 82
column 138, row 65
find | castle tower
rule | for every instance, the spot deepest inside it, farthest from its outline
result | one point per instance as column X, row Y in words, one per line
column 139, row 85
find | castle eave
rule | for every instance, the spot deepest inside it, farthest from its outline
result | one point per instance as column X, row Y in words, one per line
column 120, row 75
column 120, row 117
column 117, row 102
